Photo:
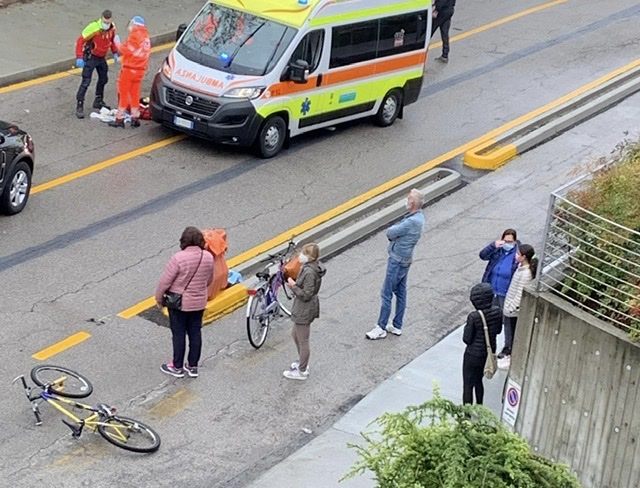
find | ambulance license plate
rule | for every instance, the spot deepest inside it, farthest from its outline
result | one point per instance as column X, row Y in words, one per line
column 180, row 122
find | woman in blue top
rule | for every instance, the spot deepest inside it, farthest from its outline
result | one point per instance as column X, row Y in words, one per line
column 502, row 264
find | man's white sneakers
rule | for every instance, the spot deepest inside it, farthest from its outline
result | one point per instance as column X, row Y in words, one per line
column 376, row 333
column 393, row 330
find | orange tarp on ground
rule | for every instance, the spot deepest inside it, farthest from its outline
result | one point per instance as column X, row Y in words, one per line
column 216, row 244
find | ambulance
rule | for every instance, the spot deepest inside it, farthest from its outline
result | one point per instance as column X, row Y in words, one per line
column 258, row 72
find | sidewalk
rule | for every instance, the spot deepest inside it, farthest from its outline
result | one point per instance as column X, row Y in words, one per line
column 326, row 459
column 46, row 31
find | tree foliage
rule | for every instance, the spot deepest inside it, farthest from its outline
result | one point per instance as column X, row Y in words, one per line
column 443, row 445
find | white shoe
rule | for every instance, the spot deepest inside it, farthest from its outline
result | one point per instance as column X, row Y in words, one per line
column 394, row 330
column 376, row 333
column 296, row 365
column 504, row 363
column 295, row 374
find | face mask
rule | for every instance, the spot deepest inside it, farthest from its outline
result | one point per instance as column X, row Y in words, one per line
column 105, row 26
column 407, row 204
column 507, row 246
column 303, row 258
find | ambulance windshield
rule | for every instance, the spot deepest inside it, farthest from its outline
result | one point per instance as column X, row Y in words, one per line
column 233, row 41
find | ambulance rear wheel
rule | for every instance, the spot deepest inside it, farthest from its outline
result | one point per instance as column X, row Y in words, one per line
column 271, row 137
column 389, row 109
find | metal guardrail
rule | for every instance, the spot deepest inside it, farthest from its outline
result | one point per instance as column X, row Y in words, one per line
column 591, row 261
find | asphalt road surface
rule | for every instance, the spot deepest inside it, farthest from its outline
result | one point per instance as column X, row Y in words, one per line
column 92, row 246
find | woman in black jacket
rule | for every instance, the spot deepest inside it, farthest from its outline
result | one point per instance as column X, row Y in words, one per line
column 475, row 355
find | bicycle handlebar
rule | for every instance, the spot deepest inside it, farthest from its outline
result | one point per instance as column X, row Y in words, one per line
column 279, row 255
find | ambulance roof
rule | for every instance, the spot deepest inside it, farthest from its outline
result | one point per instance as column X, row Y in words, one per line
column 290, row 12
column 296, row 12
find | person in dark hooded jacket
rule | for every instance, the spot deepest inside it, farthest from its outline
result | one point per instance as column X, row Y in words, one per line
column 475, row 354
column 305, row 309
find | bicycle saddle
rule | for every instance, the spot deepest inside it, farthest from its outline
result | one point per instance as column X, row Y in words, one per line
column 263, row 275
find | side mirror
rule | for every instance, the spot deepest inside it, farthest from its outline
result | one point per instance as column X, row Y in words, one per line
column 180, row 31
column 299, row 71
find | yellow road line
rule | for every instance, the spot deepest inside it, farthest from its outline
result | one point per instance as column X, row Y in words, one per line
column 61, row 346
column 118, row 159
column 493, row 159
column 64, row 74
column 106, row 164
column 173, row 404
column 505, row 20
column 164, row 47
column 354, row 202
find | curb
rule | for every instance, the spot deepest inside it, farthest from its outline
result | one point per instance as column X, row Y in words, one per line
column 332, row 236
column 493, row 153
column 339, row 233
column 66, row 65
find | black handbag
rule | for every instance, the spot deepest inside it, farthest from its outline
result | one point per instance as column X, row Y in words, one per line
column 173, row 300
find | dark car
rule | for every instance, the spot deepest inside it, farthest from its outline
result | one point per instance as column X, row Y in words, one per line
column 16, row 167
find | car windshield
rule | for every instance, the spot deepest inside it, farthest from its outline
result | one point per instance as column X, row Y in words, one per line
column 233, row 41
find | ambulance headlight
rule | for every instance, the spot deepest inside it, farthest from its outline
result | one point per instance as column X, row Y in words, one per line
column 166, row 68
column 247, row 92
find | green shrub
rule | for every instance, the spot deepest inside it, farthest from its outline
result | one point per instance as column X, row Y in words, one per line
column 441, row 444
column 605, row 272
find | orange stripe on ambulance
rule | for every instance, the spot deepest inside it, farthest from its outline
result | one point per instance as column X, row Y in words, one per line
column 256, row 72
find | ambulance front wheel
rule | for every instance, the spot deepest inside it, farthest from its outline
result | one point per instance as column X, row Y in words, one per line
column 271, row 137
column 389, row 109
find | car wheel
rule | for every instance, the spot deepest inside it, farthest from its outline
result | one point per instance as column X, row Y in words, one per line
column 271, row 137
column 16, row 192
column 389, row 109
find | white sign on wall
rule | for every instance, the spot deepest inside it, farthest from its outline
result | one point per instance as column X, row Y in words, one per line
column 511, row 404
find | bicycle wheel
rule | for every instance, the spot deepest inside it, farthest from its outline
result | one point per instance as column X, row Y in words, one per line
column 62, row 381
column 257, row 319
column 284, row 295
column 129, row 434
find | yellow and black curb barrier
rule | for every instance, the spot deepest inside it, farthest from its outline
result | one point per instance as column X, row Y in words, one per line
column 552, row 119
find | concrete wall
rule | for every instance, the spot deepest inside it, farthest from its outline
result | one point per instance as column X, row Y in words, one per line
column 580, row 403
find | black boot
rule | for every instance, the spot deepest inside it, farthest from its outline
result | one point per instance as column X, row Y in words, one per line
column 80, row 109
column 98, row 103
column 135, row 123
column 117, row 123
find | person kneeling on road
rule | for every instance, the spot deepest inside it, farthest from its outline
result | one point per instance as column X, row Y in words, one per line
column 91, row 50
column 135, row 59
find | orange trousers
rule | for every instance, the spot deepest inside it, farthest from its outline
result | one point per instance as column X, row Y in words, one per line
column 129, row 83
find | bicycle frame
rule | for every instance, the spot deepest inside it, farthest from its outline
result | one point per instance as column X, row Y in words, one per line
column 272, row 284
column 94, row 420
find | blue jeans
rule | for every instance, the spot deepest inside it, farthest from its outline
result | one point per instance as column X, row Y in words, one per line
column 395, row 283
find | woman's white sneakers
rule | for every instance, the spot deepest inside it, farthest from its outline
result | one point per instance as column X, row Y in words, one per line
column 296, row 374
column 504, row 362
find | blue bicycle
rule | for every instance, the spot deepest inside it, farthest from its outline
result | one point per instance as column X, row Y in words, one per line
column 270, row 299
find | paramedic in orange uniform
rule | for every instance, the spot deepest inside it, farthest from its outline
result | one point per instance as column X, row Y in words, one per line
column 134, row 56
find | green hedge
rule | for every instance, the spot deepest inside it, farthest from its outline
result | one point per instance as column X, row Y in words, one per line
column 441, row 444
column 606, row 267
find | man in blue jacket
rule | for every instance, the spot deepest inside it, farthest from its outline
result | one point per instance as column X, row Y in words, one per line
column 403, row 238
